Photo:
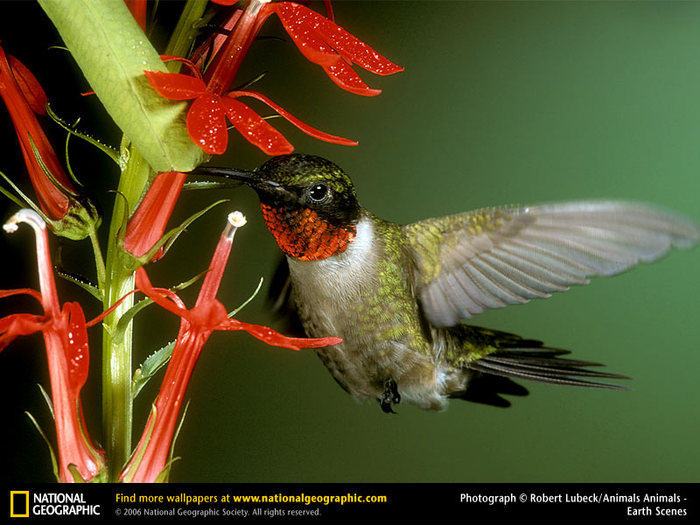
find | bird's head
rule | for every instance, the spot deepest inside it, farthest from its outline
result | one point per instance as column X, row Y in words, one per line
column 309, row 203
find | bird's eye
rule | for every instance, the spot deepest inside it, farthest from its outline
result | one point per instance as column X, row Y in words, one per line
column 318, row 192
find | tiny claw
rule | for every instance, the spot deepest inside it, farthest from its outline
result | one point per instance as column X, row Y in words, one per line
column 386, row 407
column 389, row 396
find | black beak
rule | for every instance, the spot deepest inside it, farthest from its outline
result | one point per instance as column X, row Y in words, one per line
column 249, row 178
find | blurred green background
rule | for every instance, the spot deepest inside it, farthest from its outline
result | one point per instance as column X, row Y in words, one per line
column 499, row 103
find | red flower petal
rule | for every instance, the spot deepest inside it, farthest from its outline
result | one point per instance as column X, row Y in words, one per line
column 184, row 61
column 255, row 129
column 327, row 44
column 138, row 8
column 18, row 291
column 349, row 46
column 271, row 337
column 53, row 199
column 148, row 222
column 31, row 89
column 15, row 325
column 292, row 119
column 176, row 86
column 19, row 324
column 76, row 347
column 175, row 305
column 346, row 78
column 223, row 69
column 206, row 124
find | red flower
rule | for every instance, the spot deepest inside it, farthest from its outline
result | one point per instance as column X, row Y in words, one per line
column 68, row 213
column 330, row 46
column 227, row 60
column 139, row 9
column 23, row 97
column 148, row 222
column 206, row 119
column 149, row 462
column 319, row 39
column 65, row 337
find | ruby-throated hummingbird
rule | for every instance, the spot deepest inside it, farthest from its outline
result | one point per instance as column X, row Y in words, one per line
column 397, row 295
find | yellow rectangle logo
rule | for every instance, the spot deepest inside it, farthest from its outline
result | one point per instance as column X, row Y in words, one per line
column 19, row 507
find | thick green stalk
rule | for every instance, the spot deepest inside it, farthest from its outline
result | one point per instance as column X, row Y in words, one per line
column 117, row 407
column 113, row 52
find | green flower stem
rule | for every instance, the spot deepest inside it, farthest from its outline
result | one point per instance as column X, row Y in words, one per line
column 113, row 52
column 186, row 31
column 99, row 261
column 117, row 408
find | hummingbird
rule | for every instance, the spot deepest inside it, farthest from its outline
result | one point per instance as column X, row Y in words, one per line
column 399, row 296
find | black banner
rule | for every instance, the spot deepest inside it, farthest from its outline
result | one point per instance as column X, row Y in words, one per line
column 329, row 502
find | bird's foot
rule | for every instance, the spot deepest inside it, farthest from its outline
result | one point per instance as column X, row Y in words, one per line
column 389, row 396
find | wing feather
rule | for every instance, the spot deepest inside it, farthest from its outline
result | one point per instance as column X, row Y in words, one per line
column 490, row 258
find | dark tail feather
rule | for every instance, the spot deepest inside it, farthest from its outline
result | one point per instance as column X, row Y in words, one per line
column 487, row 389
column 543, row 365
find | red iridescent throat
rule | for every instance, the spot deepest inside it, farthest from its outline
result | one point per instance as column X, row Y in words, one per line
column 304, row 235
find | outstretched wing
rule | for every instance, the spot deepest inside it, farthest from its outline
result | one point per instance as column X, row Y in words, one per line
column 490, row 258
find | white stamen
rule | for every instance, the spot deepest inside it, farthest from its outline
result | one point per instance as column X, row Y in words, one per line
column 26, row 216
column 237, row 219
column 46, row 282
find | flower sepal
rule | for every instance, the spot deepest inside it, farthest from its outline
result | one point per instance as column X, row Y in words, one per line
column 135, row 469
column 100, row 477
column 79, row 222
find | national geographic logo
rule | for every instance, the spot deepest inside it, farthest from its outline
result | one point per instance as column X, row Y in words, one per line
column 19, row 504
column 23, row 504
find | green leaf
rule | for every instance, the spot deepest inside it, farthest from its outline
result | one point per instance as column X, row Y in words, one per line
column 47, row 172
column 245, row 303
column 24, row 201
column 88, row 287
column 167, row 240
column 165, row 473
column 48, row 444
column 77, row 478
column 48, row 400
column 128, row 316
column 210, row 185
column 113, row 52
column 150, row 366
